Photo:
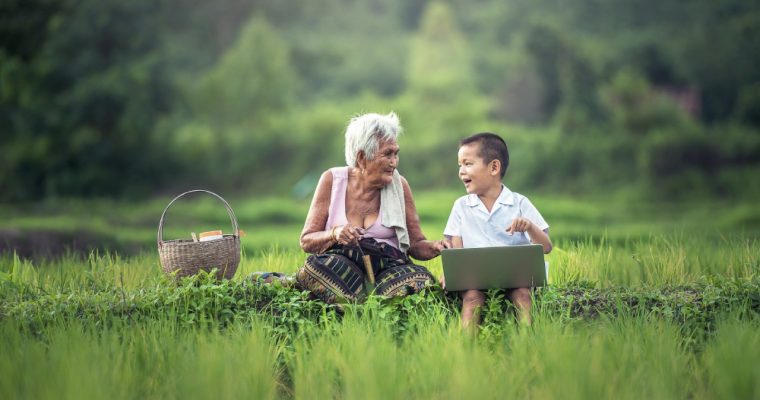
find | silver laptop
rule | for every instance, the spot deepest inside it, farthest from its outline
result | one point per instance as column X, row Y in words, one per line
column 494, row 267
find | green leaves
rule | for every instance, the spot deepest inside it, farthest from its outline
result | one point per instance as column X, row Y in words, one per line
column 203, row 301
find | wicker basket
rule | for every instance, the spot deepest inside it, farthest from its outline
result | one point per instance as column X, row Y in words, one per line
column 185, row 257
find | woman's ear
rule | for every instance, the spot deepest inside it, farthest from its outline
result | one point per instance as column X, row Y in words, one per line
column 361, row 160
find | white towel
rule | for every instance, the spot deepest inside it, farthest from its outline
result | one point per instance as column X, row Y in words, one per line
column 393, row 209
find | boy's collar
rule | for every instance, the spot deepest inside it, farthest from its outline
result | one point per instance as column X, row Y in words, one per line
column 506, row 197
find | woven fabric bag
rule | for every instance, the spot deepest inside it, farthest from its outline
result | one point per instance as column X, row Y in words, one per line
column 186, row 257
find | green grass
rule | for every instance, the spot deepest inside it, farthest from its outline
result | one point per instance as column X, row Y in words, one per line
column 154, row 360
column 269, row 221
column 659, row 260
column 107, row 326
column 645, row 301
column 361, row 357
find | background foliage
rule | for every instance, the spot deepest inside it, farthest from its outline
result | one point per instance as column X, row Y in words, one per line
column 107, row 98
column 634, row 126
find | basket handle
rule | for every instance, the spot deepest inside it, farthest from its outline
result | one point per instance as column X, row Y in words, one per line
column 235, row 229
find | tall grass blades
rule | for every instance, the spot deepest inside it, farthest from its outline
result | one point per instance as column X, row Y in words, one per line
column 660, row 260
column 669, row 316
column 76, row 361
column 730, row 361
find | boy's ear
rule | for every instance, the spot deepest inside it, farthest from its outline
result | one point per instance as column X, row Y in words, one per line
column 494, row 167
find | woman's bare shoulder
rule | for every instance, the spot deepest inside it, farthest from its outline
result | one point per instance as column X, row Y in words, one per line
column 323, row 189
column 325, row 179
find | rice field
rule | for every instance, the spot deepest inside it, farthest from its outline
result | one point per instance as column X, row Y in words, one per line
column 665, row 312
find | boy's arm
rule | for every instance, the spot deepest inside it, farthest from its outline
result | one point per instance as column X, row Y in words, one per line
column 456, row 242
column 522, row 224
column 540, row 237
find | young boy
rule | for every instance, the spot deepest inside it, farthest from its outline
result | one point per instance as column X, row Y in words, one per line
column 492, row 215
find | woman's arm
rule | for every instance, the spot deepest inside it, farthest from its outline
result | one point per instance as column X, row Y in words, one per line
column 314, row 237
column 420, row 248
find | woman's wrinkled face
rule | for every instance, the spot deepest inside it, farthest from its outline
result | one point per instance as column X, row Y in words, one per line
column 385, row 162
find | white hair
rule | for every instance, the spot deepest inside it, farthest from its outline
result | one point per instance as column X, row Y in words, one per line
column 366, row 132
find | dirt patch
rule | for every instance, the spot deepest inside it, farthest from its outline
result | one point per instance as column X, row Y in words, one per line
column 47, row 244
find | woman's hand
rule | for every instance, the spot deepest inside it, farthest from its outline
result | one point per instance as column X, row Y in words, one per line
column 439, row 245
column 348, row 233
column 427, row 249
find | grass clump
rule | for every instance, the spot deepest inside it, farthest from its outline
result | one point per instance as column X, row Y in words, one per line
column 666, row 317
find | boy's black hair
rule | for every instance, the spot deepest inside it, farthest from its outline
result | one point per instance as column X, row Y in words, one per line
column 492, row 147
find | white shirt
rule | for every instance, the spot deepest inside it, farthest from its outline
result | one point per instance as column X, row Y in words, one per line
column 477, row 227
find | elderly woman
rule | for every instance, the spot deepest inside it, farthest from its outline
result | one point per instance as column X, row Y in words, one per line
column 362, row 225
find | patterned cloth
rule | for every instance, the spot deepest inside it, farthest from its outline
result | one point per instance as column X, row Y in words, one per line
column 338, row 274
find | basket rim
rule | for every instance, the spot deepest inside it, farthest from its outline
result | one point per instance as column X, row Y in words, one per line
column 230, row 213
column 226, row 238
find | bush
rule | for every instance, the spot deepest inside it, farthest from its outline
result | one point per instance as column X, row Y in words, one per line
column 578, row 164
column 748, row 105
column 683, row 163
column 636, row 108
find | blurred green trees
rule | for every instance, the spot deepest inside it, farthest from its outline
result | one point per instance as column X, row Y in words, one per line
column 229, row 128
column 81, row 97
column 441, row 98
column 104, row 98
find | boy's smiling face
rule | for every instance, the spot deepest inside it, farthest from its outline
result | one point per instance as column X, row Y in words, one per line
column 477, row 175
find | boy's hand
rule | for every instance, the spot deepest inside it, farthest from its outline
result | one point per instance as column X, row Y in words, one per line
column 519, row 224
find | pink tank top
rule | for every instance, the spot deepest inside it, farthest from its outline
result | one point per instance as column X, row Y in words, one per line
column 337, row 216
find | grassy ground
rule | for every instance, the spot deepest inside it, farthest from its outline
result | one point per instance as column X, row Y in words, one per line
column 627, row 357
column 658, row 301
column 129, row 228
